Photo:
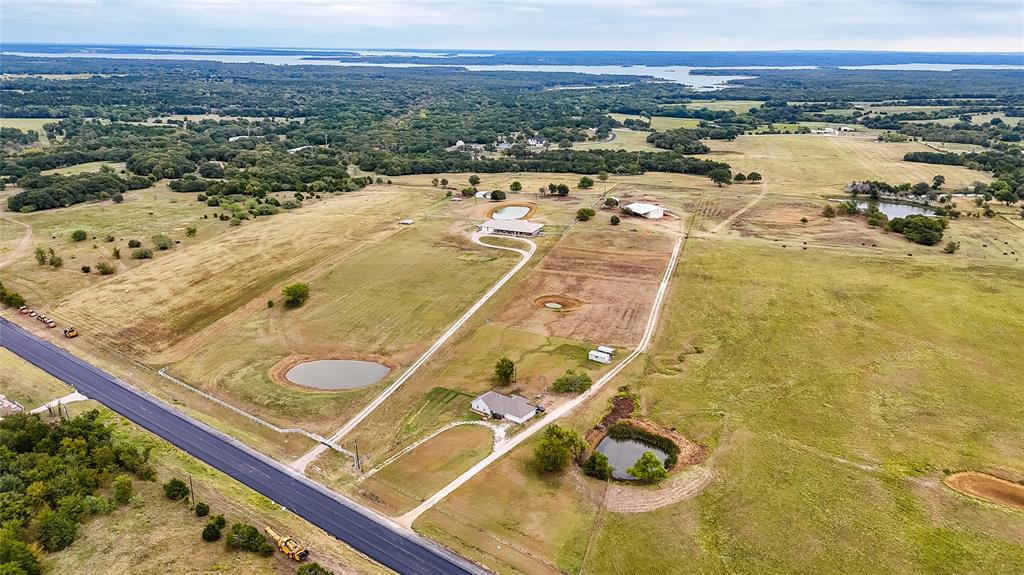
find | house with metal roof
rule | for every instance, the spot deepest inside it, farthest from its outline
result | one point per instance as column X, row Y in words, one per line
column 521, row 228
column 643, row 210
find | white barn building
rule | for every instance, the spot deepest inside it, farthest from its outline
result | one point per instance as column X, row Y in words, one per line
column 521, row 228
column 649, row 211
column 510, row 407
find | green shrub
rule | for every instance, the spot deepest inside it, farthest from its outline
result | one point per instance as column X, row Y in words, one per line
column 175, row 489
column 79, row 235
column 54, row 530
column 597, row 465
column 615, row 220
column 219, row 521
column 202, row 509
column 162, row 242
column 247, row 538
column 211, row 532
column 104, row 268
column 134, row 244
column 123, row 489
column 296, row 294
column 648, row 469
column 86, row 269
column 313, row 569
column 20, row 555
column 572, row 382
column 142, row 254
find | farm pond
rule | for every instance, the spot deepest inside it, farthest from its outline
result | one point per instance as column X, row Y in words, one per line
column 892, row 209
column 334, row 374
column 510, row 212
column 622, row 454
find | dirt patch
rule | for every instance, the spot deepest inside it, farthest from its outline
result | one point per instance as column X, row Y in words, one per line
column 637, row 499
column 278, row 370
column 563, row 302
column 530, row 206
column 988, row 487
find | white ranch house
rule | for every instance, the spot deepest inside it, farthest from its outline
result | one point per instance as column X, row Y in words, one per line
column 649, row 211
column 520, row 228
column 510, row 407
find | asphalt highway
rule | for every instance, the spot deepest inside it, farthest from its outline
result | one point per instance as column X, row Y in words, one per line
column 397, row 548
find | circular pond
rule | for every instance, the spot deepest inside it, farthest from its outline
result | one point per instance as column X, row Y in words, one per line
column 556, row 302
column 336, row 374
column 622, row 454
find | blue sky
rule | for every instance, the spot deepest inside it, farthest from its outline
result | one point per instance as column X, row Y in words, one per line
column 926, row 25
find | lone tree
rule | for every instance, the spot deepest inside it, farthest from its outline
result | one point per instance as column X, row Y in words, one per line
column 497, row 196
column 720, row 176
column 516, row 187
column 79, row 235
column 474, row 180
column 584, row 214
column 558, row 446
column 739, row 178
column 586, row 182
column 602, row 175
column 505, row 370
column 648, row 468
column 295, row 294
column 753, row 177
column 615, row 220
column 247, row 538
column 937, row 182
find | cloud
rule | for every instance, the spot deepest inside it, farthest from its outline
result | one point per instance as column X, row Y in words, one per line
column 945, row 25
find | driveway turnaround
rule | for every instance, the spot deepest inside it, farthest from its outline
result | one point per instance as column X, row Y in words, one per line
column 383, row 541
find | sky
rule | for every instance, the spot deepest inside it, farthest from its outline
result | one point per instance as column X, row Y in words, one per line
column 902, row 25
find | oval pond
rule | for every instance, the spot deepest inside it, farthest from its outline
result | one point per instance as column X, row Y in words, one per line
column 623, row 454
column 336, row 374
column 893, row 209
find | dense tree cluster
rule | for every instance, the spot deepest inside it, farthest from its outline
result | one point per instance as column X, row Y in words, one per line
column 919, row 229
column 46, row 192
column 50, row 475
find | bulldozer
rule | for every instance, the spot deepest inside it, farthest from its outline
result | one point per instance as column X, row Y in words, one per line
column 289, row 546
column 70, row 332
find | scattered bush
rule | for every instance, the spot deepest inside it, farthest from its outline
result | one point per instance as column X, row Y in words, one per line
column 105, row 268
column 134, row 244
column 142, row 254
column 86, row 269
column 572, row 382
column 247, row 538
column 585, row 183
column 211, row 532
column 118, row 198
column 951, row 247
column 79, row 235
column 175, row 489
column 584, row 214
column 296, row 294
column 497, row 195
column 123, row 489
column 597, row 465
column 202, row 509
column 313, row 569
column 219, row 521
column 615, row 220
column 270, row 303
column 829, row 211
column 162, row 242
column 18, row 558
column 190, row 231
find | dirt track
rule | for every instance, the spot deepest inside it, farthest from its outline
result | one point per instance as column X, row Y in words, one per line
column 988, row 487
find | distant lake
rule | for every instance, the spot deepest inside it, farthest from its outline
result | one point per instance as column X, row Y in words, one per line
column 935, row 67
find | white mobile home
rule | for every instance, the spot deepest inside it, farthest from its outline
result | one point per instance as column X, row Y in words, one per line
column 606, row 349
column 599, row 356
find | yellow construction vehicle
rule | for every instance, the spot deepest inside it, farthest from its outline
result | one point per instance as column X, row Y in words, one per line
column 70, row 332
column 289, row 546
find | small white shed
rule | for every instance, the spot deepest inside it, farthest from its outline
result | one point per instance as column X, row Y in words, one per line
column 599, row 356
column 606, row 349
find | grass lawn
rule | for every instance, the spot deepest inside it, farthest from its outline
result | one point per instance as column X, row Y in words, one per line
column 738, row 106
column 629, row 140
column 26, row 124
column 661, row 123
column 83, row 168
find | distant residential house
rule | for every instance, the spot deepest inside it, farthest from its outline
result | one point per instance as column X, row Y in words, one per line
column 460, row 144
column 537, row 142
column 510, row 407
column 649, row 211
column 504, row 146
column 236, row 138
column 407, row 222
column 520, row 228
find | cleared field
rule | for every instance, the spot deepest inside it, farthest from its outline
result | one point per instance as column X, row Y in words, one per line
column 83, row 168
column 629, row 140
column 661, row 123
column 388, row 299
column 404, row 483
column 612, row 271
column 809, row 165
column 144, row 213
column 26, row 124
column 738, row 106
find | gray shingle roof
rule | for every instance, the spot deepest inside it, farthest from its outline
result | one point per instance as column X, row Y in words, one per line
column 507, row 405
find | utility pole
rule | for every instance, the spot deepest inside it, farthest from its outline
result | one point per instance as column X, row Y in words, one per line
column 358, row 464
column 191, row 490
